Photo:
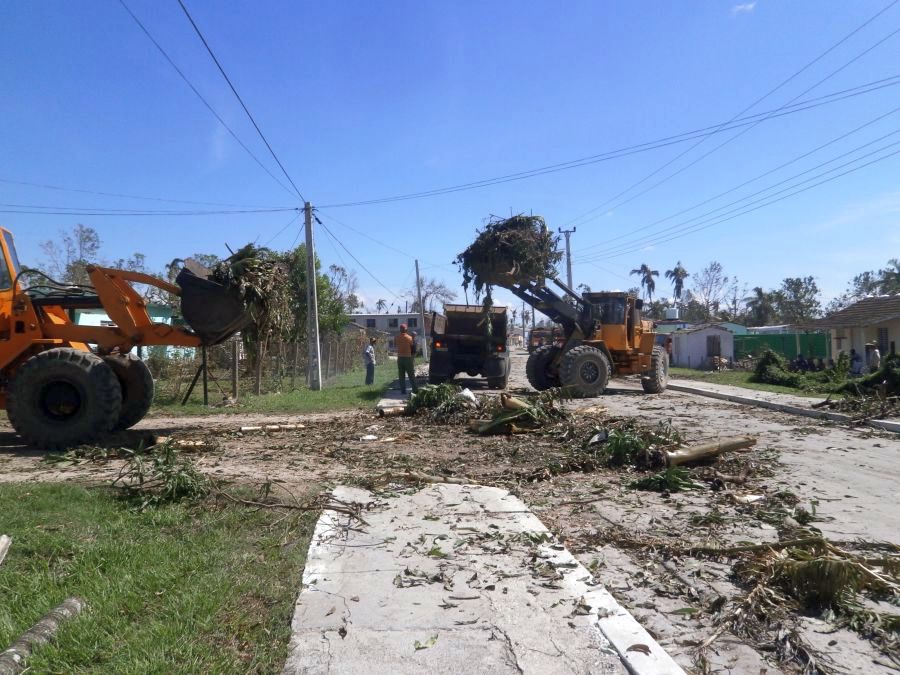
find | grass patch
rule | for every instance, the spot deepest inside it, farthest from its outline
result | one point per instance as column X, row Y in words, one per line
column 342, row 392
column 737, row 378
column 175, row 589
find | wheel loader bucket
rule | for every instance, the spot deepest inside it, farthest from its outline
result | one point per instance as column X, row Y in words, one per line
column 213, row 311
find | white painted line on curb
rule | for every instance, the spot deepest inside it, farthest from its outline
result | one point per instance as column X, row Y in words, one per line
column 887, row 425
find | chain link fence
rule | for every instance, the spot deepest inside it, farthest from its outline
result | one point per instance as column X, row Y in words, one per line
column 233, row 372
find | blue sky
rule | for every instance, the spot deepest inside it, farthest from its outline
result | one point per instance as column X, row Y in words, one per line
column 365, row 100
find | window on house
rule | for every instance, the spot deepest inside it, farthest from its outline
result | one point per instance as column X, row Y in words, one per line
column 412, row 322
column 370, row 323
column 883, row 345
column 393, row 323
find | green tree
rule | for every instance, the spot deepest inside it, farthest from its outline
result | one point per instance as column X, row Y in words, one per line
column 647, row 282
column 677, row 275
column 761, row 307
column 798, row 300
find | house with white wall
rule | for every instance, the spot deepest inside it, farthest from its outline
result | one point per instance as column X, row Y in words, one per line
column 390, row 324
column 875, row 319
column 695, row 347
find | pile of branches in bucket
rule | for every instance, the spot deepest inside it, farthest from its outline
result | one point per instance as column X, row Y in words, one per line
column 509, row 251
column 261, row 279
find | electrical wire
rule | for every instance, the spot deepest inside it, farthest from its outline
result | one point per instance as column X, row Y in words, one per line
column 200, row 96
column 289, row 223
column 127, row 196
column 632, row 232
column 759, row 206
column 67, row 211
column 749, row 107
column 240, row 100
column 627, row 151
column 686, row 223
column 364, row 268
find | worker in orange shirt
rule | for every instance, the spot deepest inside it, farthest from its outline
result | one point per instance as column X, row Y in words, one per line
column 406, row 352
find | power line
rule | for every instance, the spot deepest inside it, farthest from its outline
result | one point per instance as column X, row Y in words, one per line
column 126, row 196
column 746, row 182
column 289, row 223
column 627, row 151
column 200, row 96
column 363, row 234
column 68, row 211
column 365, row 269
column 732, row 138
column 744, row 211
column 240, row 100
column 682, row 225
column 751, row 126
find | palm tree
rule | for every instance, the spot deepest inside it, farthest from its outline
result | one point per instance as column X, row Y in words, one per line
column 381, row 305
column 647, row 274
column 677, row 275
column 761, row 306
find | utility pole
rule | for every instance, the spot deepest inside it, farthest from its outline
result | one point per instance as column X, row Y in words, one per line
column 524, row 341
column 421, row 312
column 314, row 360
column 568, row 233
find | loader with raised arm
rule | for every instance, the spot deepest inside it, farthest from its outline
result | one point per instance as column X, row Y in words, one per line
column 63, row 384
column 603, row 336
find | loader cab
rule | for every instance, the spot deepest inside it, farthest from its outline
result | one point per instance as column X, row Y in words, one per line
column 619, row 314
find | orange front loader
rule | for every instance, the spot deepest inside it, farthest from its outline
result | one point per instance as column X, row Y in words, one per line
column 63, row 384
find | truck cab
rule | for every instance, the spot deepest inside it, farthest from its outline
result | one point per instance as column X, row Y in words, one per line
column 468, row 339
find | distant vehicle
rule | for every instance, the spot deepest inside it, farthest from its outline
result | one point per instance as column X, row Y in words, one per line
column 542, row 336
column 462, row 342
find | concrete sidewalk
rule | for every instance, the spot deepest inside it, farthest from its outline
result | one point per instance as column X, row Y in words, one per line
column 794, row 405
column 456, row 579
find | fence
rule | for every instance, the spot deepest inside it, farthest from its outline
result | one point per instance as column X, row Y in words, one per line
column 233, row 373
column 786, row 344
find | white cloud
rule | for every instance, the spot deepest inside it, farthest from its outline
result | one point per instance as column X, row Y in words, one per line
column 743, row 8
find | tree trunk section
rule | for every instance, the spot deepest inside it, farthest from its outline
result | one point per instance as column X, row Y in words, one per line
column 12, row 661
column 708, row 450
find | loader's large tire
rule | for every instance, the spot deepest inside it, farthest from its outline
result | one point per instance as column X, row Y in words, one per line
column 63, row 397
column 584, row 371
column 655, row 380
column 537, row 368
column 137, row 388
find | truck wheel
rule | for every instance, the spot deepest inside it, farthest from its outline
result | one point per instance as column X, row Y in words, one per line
column 63, row 397
column 137, row 388
column 584, row 371
column 656, row 379
column 537, row 369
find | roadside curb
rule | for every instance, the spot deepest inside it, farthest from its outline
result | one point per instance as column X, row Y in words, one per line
column 886, row 425
column 381, row 620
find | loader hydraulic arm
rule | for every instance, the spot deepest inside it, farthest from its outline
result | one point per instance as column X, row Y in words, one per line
column 576, row 316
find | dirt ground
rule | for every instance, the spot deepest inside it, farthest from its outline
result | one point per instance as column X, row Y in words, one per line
column 845, row 478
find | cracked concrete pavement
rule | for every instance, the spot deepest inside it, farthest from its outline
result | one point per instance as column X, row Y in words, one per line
column 454, row 579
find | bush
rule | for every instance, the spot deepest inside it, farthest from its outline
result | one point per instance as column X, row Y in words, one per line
column 772, row 368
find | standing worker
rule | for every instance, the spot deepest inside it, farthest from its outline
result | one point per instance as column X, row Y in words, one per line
column 369, row 361
column 874, row 357
column 406, row 365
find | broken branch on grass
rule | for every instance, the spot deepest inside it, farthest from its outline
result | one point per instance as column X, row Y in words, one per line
column 12, row 661
column 5, row 543
column 352, row 509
